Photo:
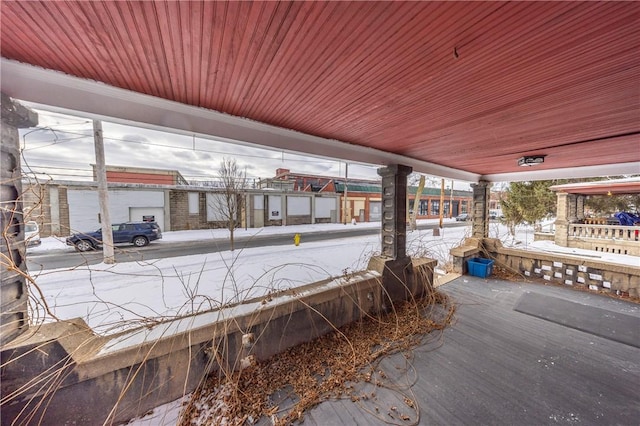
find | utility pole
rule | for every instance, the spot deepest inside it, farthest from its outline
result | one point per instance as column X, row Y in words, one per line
column 451, row 201
column 441, row 202
column 346, row 176
column 103, row 194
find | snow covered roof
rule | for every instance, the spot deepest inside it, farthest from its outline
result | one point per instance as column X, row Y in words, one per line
column 629, row 185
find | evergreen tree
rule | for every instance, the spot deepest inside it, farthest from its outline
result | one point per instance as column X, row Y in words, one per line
column 527, row 202
column 533, row 201
column 607, row 205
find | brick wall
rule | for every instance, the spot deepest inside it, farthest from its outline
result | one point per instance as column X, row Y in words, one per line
column 299, row 220
column 65, row 227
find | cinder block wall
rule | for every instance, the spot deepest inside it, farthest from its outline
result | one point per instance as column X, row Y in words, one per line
column 584, row 272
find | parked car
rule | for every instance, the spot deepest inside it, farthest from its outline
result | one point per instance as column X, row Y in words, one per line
column 32, row 234
column 137, row 233
column 462, row 217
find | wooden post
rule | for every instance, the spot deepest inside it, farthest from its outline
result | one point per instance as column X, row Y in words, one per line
column 451, row 201
column 103, row 194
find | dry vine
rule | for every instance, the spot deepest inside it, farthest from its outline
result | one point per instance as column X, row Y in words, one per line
column 323, row 369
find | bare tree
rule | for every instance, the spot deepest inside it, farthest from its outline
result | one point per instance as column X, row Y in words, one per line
column 229, row 203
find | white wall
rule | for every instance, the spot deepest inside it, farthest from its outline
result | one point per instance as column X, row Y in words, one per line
column 298, row 206
column 375, row 211
column 258, row 202
column 136, row 214
column 274, row 206
column 215, row 208
column 324, row 206
column 194, row 202
column 84, row 207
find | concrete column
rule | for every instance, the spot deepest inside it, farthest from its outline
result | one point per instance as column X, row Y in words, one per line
column 166, row 226
column 13, row 290
column 480, row 209
column 580, row 207
column 562, row 220
column 313, row 208
column 394, row 210
column 283, row 209
column 54, row 209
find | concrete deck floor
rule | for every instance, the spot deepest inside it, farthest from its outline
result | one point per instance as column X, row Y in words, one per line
column 498, row 366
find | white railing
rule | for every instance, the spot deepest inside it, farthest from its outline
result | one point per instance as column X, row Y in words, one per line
column 604, row 232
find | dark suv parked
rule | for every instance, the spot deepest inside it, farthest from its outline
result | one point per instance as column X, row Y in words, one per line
column 136, row 233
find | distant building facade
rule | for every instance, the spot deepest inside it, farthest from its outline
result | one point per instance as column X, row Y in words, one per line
column 361, row 199
column 65, row 207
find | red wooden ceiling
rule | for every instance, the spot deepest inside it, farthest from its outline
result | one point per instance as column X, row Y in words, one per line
column 470, row 86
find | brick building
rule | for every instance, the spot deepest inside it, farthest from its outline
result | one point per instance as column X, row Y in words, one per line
column 363, row 197
column 125, row 174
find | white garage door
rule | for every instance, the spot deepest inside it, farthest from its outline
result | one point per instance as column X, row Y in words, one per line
column 139, row 214
column 84, row 208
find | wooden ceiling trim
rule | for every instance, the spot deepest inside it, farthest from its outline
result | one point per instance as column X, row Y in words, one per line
column 488, row 77
column 316, row 60
column 597, row 92
column 379, row 74
column 268, row 81
column 378, row 63
column 17, row 42
column 252, row 39
column 257, row 48
column 123, row 53
column 592, row 155
column 412, row 74
column 192, row 43
column 146, row 46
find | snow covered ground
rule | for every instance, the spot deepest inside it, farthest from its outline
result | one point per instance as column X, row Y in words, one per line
column 111, row 298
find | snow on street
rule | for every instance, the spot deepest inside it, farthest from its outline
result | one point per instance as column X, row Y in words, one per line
column 111, row 298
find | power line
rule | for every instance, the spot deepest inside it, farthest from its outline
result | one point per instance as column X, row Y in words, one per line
column 185, row 148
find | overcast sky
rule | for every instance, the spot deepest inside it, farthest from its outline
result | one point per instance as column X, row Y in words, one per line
column 61, row 147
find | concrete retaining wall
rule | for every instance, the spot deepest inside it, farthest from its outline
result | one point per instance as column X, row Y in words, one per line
column 65, row 374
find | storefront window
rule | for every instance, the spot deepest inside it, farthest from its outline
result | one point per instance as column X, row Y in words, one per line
column 424, row 208
column 435, row 207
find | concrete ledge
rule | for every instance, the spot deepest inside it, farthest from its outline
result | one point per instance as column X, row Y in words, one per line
column 544, row 236
column 64, row 372
column 460, row 254
column 571, row 270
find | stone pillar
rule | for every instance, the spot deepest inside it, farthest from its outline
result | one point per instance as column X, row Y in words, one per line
column 480, row 209
column 573, row 208
column 580, row 207
column 394, row 210
column 13, row 290
column 561, row 237
column 393, row 264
